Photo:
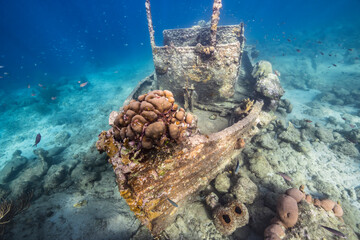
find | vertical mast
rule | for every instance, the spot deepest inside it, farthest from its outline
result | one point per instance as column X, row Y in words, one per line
column 150, row 24
column 214, row 21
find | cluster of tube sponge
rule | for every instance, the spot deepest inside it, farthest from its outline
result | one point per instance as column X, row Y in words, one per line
column 288, row 212
column 152, row 120
column 229, row 217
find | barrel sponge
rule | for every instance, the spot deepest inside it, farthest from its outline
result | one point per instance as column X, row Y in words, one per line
column 274, row 229
column 272, row 237
column 296, row 194
column 287, row 210
column 155, row 130
column 230, row 217
column 241, row 213
column 327, row 204
column 308, row 198
column 317, row 202
column 224, row 221
column 338, row 211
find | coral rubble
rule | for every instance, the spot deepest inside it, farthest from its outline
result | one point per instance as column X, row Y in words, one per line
column 267, row 84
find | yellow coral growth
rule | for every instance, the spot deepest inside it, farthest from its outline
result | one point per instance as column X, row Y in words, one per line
column 248, row 105
column 107, row 144
column 237, row 31
column 244, row 108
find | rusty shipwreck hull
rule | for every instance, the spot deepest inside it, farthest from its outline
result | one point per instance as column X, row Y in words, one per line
column 179, row 174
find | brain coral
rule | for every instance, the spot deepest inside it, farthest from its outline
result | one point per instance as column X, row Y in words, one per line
column 152, row 120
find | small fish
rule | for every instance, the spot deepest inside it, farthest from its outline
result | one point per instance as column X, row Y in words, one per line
column 79, row 82
column 33, row 94
column 84, row 84
column 275, row 136
column 350, row 49
column 335, row 232
column 53, row 98
column 284, row 176
column 289, row 40
column 172, row 202
column 1, row 66
column 319, row 42
column 40, row 85
column 334, row 64
column 344, row 118
column 307, row 120
column 298, row 50
column 37, row 140
column 237, row 166
column 28, row 85
column 277, row 73
column 330, row 54
column 321, row 53
column 80, row 204
column 352, row 125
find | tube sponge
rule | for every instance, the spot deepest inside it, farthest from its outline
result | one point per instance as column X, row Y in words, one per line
column 230, row 217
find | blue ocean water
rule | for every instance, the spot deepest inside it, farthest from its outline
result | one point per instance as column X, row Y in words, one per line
column 65, row 65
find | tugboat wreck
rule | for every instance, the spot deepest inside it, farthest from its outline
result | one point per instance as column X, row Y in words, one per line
column 181, row 126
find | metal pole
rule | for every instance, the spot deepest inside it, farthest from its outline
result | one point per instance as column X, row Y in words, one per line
column 214, row 21
column 150, row 25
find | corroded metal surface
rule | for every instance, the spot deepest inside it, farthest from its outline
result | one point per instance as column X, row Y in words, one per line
column 180, row 172
column 182, row 37
column 214, row 77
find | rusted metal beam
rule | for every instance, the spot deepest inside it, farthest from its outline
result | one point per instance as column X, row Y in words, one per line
column 150, row 24
column 215, row 17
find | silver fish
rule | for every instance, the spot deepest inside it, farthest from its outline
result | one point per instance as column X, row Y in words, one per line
column 172, row 202
column 284, row 176
column 335, row 232
column 237, row 166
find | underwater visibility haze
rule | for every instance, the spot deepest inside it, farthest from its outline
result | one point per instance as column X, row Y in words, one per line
column 256, row 136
